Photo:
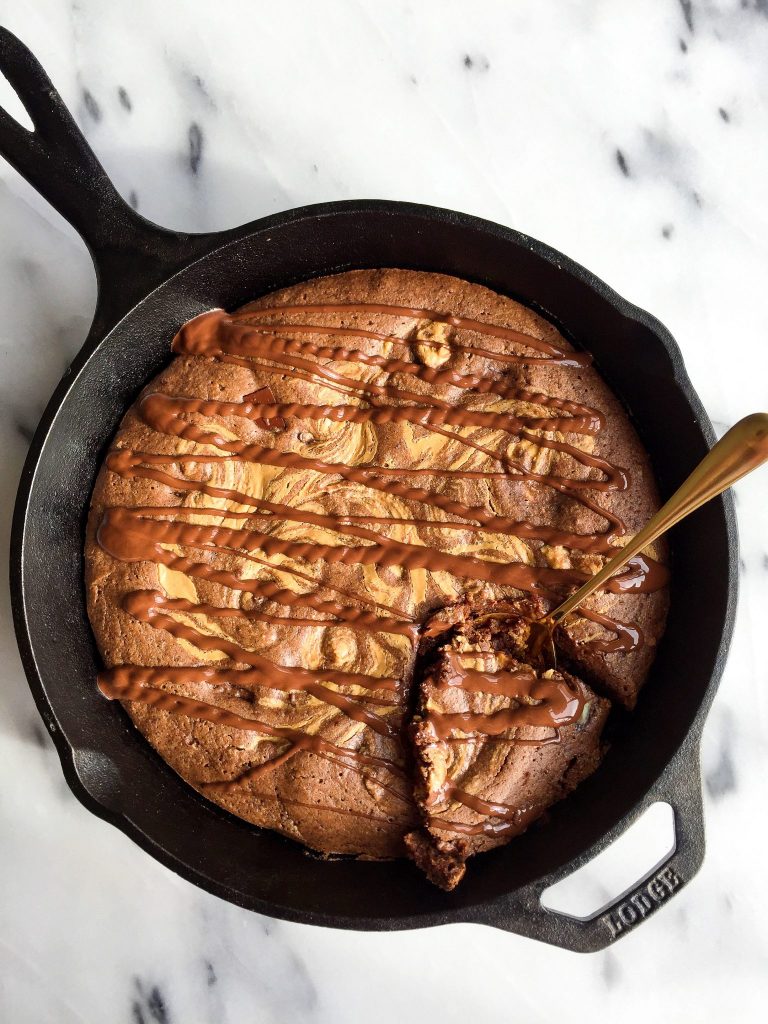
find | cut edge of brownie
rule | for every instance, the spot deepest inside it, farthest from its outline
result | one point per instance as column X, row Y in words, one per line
column 504, row 628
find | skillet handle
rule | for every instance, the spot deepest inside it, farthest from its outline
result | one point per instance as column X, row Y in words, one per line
column 55, row 158
column 680, row 786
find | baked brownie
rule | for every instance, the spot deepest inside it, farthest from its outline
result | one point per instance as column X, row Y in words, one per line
column 312, row 477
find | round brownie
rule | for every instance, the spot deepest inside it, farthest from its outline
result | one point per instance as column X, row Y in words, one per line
column 307, row 483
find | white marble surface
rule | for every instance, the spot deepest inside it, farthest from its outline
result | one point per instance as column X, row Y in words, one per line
column 632, row 137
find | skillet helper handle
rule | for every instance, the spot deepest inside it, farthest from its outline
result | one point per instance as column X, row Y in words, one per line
column 680, row 787
column 131, row 255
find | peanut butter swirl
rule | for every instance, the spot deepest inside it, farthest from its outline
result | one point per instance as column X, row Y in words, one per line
column 276, row 550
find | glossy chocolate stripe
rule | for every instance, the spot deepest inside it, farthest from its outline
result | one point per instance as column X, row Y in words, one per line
column 203, row 335
column 509, row 820
column 514, row 684
column 352, row 616
column 147, row 606
column 164, row 421
column 628, row 636
column 292, row 353
column 377, row 625
column 584, row 420
column 310, row 370
column 414, row 313
column 553, row 353
column 124, row 462
column 422, row 415
column 128, row 536
column 558, row 702
column 216, row 334
column 131, row 683
column 131, row 464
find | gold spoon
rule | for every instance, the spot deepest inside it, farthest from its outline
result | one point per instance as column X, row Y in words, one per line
column 742, row 449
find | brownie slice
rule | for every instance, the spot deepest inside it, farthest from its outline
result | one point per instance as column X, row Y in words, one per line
column 496, row 740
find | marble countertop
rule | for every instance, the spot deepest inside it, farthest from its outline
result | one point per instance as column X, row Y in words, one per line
column 631, row 137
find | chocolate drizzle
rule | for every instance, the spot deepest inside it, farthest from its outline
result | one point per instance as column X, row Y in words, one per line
column 539, row 701
column 500, row 819
column 549, row 701
column 164, row 535
column 135, row 684
column 130, row 536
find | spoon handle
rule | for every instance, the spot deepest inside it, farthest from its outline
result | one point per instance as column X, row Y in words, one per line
column 742, row 449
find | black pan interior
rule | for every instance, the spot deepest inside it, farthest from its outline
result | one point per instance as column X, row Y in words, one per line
column 122, row 779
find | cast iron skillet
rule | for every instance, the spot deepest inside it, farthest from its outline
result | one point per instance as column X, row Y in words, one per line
column 151, row 281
